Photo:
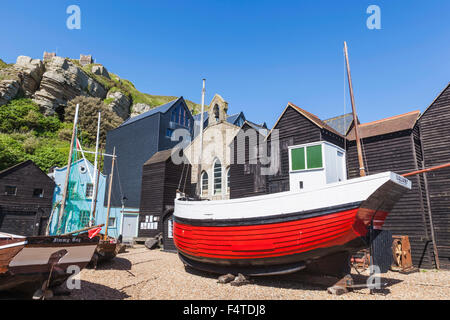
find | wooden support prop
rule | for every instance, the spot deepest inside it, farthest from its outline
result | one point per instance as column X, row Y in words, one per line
column 413, row 173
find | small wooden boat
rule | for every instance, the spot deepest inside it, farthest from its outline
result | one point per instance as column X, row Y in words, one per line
column 106, row 250
column 283, row 232
column 27, row 262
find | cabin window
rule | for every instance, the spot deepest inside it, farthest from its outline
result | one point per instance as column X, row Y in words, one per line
column 89, row 190
column 170, row 228
column 217, row 177
column 38, row 193
column 298, row 159
column 10, row 190
column 204, row 183
column 309, row 157
column 314, row 157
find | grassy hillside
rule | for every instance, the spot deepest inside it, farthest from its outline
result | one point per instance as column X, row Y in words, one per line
column 25, row 134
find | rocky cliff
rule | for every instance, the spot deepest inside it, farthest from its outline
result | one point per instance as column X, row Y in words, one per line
column 54, row 82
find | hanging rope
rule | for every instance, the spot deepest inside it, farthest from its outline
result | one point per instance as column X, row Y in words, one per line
column 181, row 177
column 185, row 179
column 118, row 177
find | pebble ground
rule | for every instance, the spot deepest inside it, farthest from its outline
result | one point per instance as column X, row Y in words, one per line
column 140, row 273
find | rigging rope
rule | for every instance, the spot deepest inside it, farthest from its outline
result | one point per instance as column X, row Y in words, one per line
column 181, row 177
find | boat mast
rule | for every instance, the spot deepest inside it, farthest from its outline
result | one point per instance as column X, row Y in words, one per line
column 96, row 174
column 109, row 193
column 69, row 164
column 96, row 189
column 362, row 170
column 199, row 171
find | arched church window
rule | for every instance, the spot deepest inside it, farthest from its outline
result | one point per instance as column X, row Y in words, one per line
column 216, row 112
column 204, row 183
column 217, row 177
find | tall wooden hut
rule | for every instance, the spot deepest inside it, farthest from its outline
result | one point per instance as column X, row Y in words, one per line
column 434, row 130
column 393, row 144
column 297, row 126
column 26, row 194
column 161, row 178
column 246, row 179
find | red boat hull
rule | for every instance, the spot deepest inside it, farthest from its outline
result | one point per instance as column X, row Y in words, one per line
column 284, row 241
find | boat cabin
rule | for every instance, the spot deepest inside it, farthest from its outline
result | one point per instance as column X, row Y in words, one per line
column 315, row 164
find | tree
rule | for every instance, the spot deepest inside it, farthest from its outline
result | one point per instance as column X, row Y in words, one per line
column 88, row 116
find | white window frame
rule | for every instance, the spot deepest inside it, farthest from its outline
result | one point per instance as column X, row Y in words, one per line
column 203, row 191
column 290, row 148
column 214, row 177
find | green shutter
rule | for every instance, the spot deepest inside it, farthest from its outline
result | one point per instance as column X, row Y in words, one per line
column 298, row 159
column 314, row 157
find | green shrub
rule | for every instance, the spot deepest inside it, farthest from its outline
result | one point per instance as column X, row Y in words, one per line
column 88, row 116
column 30, row 144
column 11, row 152
column 23, row 115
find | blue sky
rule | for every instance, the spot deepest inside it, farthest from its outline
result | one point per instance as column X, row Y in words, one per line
column 258, row 55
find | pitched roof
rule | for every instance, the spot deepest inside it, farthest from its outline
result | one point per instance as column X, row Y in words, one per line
column 384, row 126
column 438, row 96
column 231, row 118
column 161, row 156
column 161, row 109
column 341, row 123
column 311, row 117
column 262, row 129
column 18, row 166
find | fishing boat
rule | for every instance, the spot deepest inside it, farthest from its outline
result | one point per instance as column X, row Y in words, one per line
column 34, row 264
column 72, row 215
column 288, row 231
column 283, row 232
column 28, row 263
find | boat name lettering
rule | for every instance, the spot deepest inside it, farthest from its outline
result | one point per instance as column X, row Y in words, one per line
column 401, row 180
column 66, row 240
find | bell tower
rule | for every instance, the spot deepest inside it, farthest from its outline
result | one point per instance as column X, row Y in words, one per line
column 217, row 110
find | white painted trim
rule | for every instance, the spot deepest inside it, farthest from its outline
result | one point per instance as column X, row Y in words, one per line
column 16, row 244
column 329, row 195
column 10, row 235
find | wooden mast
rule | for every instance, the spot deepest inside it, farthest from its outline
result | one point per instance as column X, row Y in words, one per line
column 69, row 164
column 109, row 193
column 96, row 171
column 96, row 189
column 362, row 170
